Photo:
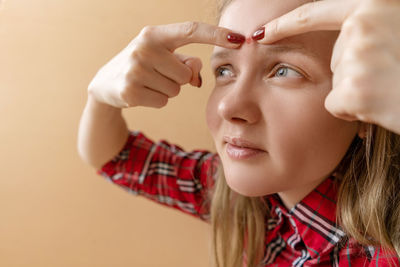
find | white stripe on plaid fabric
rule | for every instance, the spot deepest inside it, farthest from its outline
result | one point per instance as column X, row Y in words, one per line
column 273, row 249
column 332, row 233
column 302, row 259
column 185, row 182
column 117, row 176
column 335, row 256
column 147, row 163
column 370, row 251
column 161, row 168
column 170, row 202
column 279, row 220
column 271, row 223
column 188, row 185
column 294, row 239
column 186, row 206
column 187, row 189
column 135, row 132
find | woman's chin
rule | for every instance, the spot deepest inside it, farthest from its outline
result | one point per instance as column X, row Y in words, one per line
column 245, row 187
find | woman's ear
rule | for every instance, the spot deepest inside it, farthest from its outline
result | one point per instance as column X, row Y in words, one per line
column 362, row 130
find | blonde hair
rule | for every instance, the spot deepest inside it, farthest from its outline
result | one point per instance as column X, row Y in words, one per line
column 367, row 209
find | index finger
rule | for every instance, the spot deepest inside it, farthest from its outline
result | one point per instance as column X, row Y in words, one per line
column 313, row 16
column 173, row 36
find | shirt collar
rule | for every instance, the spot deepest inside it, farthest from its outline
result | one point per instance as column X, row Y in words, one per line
column 314, row 217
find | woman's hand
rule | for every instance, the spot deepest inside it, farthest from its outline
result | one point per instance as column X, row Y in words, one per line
column 365, row 60
column 148, row 72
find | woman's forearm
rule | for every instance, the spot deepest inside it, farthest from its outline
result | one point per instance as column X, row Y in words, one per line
column 102, row 133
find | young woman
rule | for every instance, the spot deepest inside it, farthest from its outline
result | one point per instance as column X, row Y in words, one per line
column 291, row 184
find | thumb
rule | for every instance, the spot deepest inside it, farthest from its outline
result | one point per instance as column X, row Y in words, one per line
column 194, row 63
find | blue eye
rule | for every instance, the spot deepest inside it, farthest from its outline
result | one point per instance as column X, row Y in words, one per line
column 223, row 71
column 284, row 71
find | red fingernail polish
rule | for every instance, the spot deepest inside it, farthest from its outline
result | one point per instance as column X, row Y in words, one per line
column 236, row 38
column 259, row 34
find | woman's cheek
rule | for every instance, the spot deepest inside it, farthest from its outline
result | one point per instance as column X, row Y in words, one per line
column 212, row 118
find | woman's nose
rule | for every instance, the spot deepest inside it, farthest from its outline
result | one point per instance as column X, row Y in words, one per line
column 240, row 105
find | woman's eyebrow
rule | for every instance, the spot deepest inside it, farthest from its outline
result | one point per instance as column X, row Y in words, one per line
column 269, row 49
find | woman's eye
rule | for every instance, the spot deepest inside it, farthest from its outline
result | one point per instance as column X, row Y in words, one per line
column 284, row 71
column 223, row 71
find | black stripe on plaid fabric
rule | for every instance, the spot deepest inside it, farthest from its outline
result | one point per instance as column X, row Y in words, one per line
column 295, row 238
column 334, row 256
column 161, row 168
column 302, row 259
column 279, row 213
column 318, row 223
column 123, row 155
column 273, row 249
column 271, row 223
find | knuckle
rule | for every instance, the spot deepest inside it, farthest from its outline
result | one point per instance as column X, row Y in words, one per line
column 135, row 71
column 357, row 26
column 140, row 52
column 136, row 55
column 367, row 47
column 274, row 27
column 131, row 95
column 147, row 32
column 189, row 28
column 349, row 27
column 303, row 15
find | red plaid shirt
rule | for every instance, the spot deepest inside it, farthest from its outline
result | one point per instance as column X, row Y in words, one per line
column 307, row 235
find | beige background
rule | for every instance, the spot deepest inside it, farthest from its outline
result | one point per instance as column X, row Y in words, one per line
column 54, row 209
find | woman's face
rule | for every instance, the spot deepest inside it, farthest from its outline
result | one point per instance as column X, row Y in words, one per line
column 271, row 97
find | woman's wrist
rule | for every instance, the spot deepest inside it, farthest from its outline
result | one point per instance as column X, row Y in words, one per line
column 102, row 108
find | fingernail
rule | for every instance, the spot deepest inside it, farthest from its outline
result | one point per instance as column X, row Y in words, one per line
column 259, row 34
column 200, row 80
column 236, row 38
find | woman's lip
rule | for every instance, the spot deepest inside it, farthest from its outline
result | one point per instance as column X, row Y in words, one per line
column 240, row 148
column 241, row 143
column 236, row 152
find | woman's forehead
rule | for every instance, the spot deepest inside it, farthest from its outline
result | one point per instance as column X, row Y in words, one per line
column 246, row 16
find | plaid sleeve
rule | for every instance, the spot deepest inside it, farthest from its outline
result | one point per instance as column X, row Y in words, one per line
column 164, row 173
